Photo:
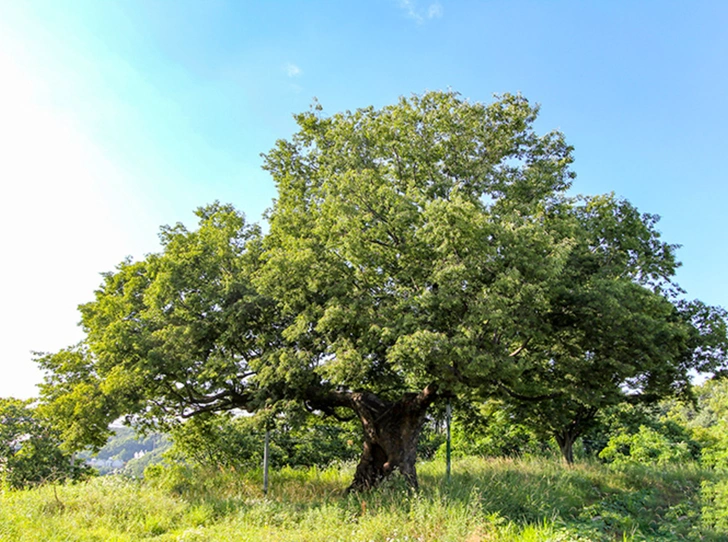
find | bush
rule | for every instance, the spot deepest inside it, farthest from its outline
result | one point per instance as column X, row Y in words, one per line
column 705, row 419
column 715, row 505
column 645, row 447
column 490, row 430
column 30, row 452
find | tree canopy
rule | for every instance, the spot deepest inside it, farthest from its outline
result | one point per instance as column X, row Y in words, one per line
column 168, row 336
column 614, row 329
column 424, row 250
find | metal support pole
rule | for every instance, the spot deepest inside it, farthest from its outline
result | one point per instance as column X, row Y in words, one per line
column 266, row 461
column 448, row 417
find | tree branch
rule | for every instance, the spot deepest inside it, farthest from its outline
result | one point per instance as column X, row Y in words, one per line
column 530, row 398
column 519, row 349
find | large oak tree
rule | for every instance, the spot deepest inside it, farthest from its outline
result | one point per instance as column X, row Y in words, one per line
column 415, row 252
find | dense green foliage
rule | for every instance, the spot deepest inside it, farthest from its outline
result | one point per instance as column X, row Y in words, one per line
column 163, row 333
column 30, row 452
column 706, row 420
column 490, row 430
column 405, row 243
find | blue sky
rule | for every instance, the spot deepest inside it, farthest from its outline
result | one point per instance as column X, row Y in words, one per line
column 119, row 116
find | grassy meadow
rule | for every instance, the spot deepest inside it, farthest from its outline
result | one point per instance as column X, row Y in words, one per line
column 485, row 500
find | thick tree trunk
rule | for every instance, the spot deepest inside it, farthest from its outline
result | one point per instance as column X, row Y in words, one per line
column 565, row 440
column 391, row 431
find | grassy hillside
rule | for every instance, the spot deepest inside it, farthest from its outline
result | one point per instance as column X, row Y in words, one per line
column 499, row 499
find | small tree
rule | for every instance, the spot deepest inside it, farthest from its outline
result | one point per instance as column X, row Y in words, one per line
column 616, row 330
column 30, row 450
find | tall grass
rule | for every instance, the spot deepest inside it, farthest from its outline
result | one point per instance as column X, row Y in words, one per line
column 485, row 500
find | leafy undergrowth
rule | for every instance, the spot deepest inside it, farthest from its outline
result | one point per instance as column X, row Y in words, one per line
column 486, row 500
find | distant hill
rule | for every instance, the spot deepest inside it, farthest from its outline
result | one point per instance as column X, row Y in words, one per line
column 129, row 451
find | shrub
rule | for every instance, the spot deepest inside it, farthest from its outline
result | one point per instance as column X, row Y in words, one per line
column 646, row 447
column 30, row 452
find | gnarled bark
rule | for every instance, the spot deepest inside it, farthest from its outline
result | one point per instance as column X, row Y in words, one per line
column 391, row 430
